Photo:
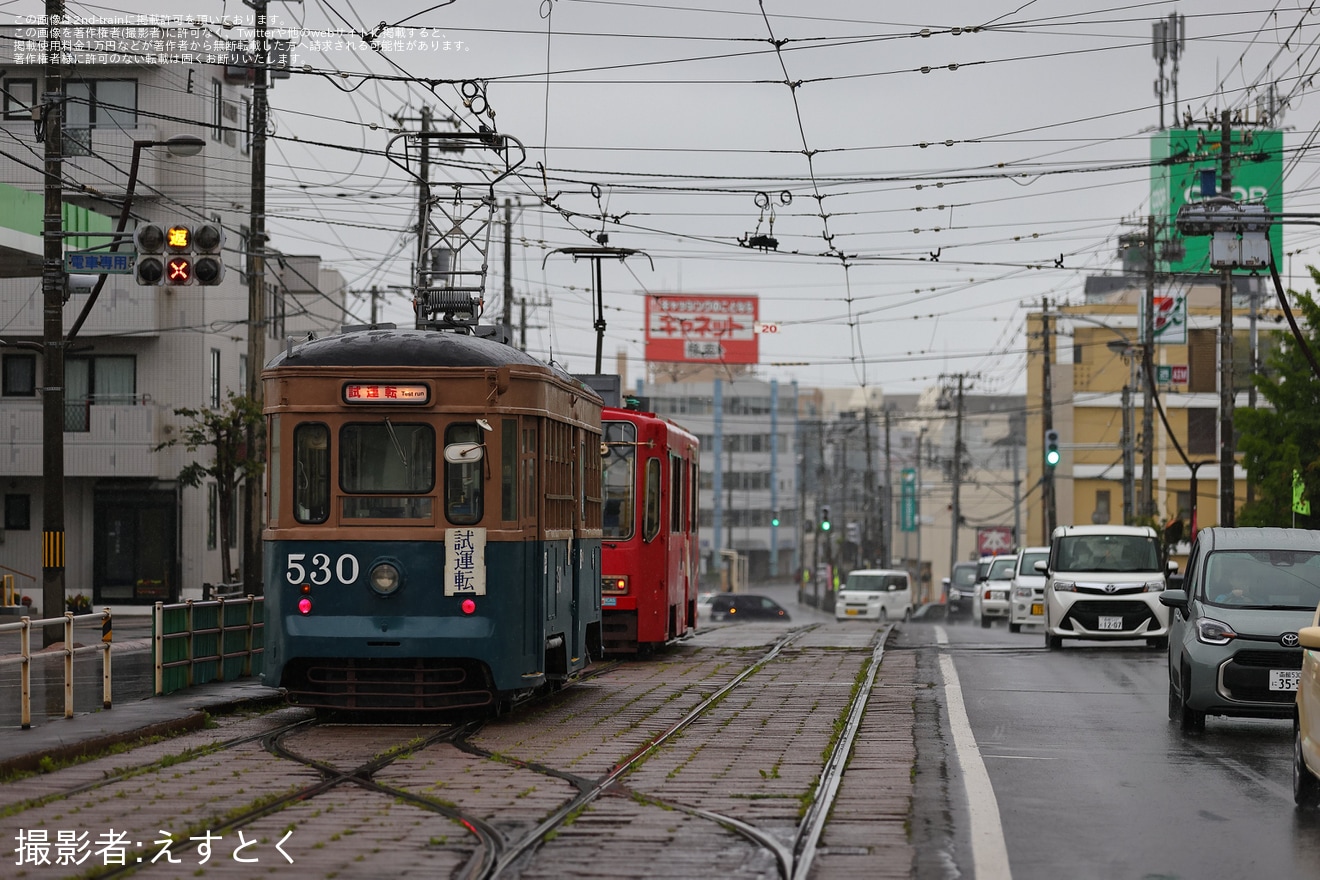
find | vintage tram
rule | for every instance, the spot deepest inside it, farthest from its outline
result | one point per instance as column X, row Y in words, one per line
column 433, row 510
column 649, row 528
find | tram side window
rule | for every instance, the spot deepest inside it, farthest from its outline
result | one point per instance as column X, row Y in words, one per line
column 311, row 472
column 675, row 494
column 386, row 466
column 617, row 479
column 509, row 469
column 651, row 514
column 463, row 470
column 273, row 472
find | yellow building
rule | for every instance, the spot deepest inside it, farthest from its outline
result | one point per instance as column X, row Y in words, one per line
column 1095, row 354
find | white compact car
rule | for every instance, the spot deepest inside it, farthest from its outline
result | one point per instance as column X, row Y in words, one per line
column 992, row 593
column 874, row 594
column 1027, row 594
column 1104, row 582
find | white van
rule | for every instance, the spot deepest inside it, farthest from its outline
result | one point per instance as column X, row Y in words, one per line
column 1104, row 582
column 875, row 594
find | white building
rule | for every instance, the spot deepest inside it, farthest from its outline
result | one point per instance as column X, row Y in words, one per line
column 132, row 533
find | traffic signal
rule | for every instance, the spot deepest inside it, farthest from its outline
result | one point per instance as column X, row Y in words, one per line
column 179, row 254
column 1051, row 447
column 208, row 242
column 825, row 518
column 774, row 519
column 149, row 264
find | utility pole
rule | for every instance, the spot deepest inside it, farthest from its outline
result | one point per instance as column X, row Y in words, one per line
column 375, row 300
column 887, row 497
column 424, row 257
column 256, row 329
column 1129, row 466
column 1148, row 370
column 1227, row 512
column 957, row 469
column 1047, row 417
column 866, row 548
column 52, row 288
column 508, row 267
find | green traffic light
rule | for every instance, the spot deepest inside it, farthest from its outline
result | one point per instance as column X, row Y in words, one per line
column 1052, row 457
column 825, row 526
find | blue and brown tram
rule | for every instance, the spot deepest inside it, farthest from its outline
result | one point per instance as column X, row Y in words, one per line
column 649, row 528
column 433, row 522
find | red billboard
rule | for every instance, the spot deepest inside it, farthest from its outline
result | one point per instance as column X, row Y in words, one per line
column 702, row 328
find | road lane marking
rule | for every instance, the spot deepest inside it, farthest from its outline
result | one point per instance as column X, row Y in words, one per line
column 989, row 852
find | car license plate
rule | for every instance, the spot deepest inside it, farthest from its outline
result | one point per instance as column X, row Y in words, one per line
column 608, row 602
column 1037, row 609
column 1111, row 623
column 1284, row 679
column 851, row 611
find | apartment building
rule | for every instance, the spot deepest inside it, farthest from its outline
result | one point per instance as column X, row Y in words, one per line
column 133, row 534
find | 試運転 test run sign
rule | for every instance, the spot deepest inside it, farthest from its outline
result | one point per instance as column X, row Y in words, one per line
column 698, row 327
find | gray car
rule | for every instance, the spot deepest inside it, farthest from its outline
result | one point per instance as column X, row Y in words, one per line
column 1233, row 647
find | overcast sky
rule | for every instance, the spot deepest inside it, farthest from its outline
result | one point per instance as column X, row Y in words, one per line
column 934, row 170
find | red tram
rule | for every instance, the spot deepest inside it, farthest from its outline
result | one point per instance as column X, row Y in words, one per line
column 649, row 542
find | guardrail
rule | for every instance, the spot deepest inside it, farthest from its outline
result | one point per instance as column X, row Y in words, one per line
column 25, row 626
column 197, row 642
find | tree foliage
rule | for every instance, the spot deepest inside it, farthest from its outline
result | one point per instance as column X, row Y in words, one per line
column 224, row 432
column 1285, row 436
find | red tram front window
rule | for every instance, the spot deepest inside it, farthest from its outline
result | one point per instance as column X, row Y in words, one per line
column 619, row 484
column 311, row 472
column 384, row 466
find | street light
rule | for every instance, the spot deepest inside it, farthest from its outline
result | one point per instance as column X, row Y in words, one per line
column 55, row 345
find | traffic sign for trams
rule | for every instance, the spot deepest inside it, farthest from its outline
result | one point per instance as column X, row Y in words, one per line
column 99, row 262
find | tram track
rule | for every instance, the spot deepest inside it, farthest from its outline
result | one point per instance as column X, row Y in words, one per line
column 496, row 841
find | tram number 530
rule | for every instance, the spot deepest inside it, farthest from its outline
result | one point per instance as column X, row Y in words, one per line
column 317, row 570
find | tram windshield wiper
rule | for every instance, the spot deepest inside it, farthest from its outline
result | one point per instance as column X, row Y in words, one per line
column 394, row 438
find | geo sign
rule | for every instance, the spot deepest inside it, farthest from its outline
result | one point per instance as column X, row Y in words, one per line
column 702, row 328
column 1179, row 158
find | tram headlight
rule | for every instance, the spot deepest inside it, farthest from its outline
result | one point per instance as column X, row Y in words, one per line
column 385, row 578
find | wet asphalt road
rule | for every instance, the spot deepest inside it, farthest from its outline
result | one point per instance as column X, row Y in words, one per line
column 1093, row 781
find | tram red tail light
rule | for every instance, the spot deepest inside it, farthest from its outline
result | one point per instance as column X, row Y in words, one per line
column 614, row 584
column 305, row 605
column 469, row 607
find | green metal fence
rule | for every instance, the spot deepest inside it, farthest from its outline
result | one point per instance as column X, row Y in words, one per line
column 200, row 642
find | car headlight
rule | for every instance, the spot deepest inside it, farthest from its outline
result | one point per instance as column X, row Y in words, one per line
column 1065, row 586
column 385, row 578
column 1022, row 593
column 1213, row 632
column 999, row 595
column 1153, row 586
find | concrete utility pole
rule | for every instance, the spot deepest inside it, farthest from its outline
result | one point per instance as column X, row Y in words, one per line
column 1227, row 512
column 887, row 496
column 256, row 329
column 956, row 470
column 52, row 288
column 1148, row 370
column 508, row 267
column 866, row 546
column 1047, row 417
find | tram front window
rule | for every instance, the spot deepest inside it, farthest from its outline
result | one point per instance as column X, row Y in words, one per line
column 619, row 484
column 311, row 472
column 383, row 467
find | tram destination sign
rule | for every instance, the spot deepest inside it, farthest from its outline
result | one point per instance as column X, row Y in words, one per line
column 384, row 392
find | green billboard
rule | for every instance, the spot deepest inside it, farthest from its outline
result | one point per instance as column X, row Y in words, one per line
column 1180, row 155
